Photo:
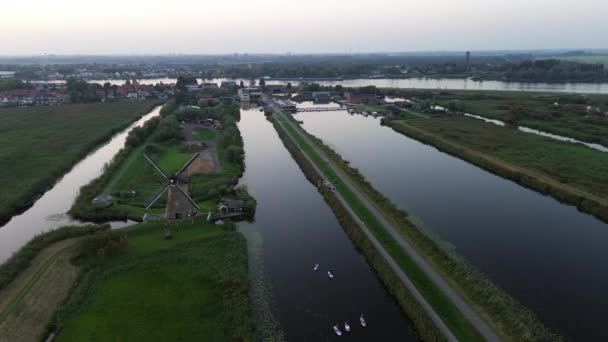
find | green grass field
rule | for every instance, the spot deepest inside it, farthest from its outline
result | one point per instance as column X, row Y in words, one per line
column 585, row 59
column 204, row 134
column 535, row 110
column 572, row 164
column 193, row 287
column 457, row 323
column 39, row 144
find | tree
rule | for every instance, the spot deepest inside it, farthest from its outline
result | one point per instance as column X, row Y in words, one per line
column 242, row 84
column 106, row 88
column 289, row 87
column 252, row 82
column 262, row 82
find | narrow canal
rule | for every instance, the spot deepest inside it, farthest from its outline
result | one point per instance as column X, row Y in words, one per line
column 548, row 255
column 49, row 211
column 298, row 230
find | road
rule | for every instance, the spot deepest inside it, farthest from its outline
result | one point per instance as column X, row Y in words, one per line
column 487, row 333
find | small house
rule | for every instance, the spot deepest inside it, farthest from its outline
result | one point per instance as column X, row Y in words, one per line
column 361, row 99
column 230, row 206
column 321, row 97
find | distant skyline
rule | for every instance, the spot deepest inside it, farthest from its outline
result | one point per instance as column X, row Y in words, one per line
column 35, row 27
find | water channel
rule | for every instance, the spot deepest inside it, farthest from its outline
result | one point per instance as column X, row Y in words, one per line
column 546, row 254
column 49, row 211
column 298, row 229
column 423, row 83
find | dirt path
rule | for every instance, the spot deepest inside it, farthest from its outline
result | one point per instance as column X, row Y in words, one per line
column 28, row 304
column 464, row 307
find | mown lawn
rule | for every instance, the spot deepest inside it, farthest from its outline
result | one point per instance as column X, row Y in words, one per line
column 572, row 164
column 191, row 288
column 204, row 134
column 39, row 144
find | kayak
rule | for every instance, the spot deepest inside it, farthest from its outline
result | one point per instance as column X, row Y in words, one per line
column 362, row 320
column 337, row 330
column 331, row 276
column 347, row 326
column 316, row 267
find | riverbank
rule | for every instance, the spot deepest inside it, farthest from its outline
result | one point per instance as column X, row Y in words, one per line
column 495, row 305
column 569, row 172
column 40, row 144
column 36, row 280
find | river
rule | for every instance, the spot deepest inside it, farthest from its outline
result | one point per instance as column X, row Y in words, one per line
column 49, row 211
column 546, row 254
column 298, row 229
column 423, row 83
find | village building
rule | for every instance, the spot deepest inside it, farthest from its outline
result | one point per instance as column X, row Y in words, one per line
column 361, row 99
column 321, row 96
column 231, row 206
column 249, row 94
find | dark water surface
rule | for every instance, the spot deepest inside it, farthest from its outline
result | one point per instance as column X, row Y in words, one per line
column 49, row 211
column 548, row 255
column 298, row 230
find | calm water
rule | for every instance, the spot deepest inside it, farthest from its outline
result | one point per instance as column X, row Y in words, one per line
column 298, row 230
column 548, row 255
column 427, row 83
column 49, row 211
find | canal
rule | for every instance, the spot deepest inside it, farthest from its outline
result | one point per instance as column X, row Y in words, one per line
column 50, row 210
column 298, row 230
column 546, row 254
column 422, row 83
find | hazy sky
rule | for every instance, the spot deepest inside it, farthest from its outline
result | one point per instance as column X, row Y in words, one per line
column 279, row 26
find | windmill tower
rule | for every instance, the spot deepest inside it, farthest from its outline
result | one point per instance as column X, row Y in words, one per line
column 179, row 203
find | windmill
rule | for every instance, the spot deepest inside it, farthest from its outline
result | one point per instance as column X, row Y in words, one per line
column 172, row 185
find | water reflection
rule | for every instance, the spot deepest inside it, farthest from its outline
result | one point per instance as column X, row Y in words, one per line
column 299, row 230
column 546, row 254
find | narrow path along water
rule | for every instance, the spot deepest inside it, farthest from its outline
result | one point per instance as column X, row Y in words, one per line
column 49, row 211
column 548, row 255
column 298, row 230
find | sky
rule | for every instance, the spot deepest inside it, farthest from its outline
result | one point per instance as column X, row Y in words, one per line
column 33, row 27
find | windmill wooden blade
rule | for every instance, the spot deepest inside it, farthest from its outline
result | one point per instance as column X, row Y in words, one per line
column 156, row 166
column 188, row 197
column 158, row 196
column 187, row 164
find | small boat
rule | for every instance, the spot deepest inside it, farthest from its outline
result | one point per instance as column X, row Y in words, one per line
column 316, row 267
column 347, row 326
column 337, row 330
column 362, row 320
column 331, row 275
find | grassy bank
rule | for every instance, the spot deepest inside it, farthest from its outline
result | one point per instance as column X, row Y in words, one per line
column 143, row 287
column 581, row 117
column 424, row 326
column 509, row 318
column 39, row 144
column 571, row 173
column 22, row 259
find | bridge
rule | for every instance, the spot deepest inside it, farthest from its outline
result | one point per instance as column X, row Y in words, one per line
column 320, row 109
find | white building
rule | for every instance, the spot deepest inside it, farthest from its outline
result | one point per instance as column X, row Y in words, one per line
column 249, row 93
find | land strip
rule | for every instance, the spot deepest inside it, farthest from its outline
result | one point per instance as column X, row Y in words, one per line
column 452, row 315
column 39, row 144
column 569, row 172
